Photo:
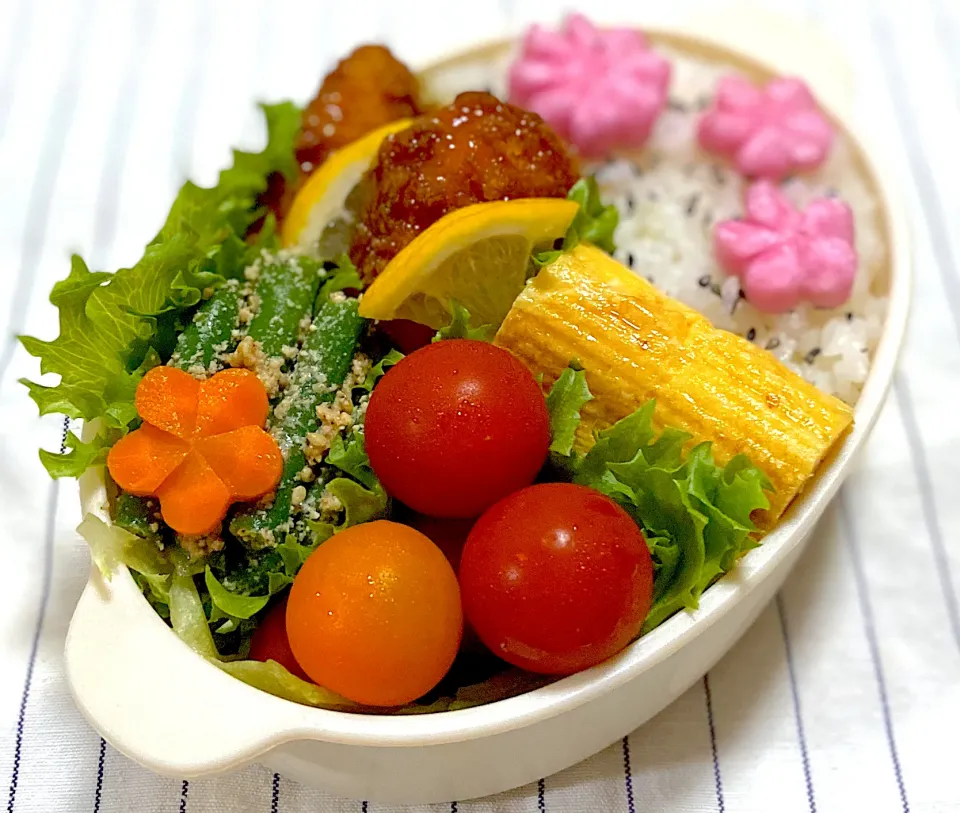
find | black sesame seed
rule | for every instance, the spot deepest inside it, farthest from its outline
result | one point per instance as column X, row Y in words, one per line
column 849, row 316
column 751, row 334
column 692, row 204
column 773, row 344
column 812, row 355
column 630, row 204
column 630, row 259
column 704, row 281
column 650, row 279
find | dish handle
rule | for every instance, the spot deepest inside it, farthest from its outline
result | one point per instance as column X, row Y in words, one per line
column 149, row 698
column 149, row 695
column 147, row 692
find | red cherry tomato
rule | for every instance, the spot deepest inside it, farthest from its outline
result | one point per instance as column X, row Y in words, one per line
column 406, row 335
column 455, row 426
column 450, row 535
column 556, row 578
column 270, row 642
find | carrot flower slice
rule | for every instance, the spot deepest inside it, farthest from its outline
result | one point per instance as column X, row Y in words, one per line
column 201, row 447
column 167, row 398
column 247, row 460
column 145, row 458
column 231, row 400
column 193, row 500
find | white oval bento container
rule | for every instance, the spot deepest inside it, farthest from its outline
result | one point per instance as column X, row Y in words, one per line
column 120, row 654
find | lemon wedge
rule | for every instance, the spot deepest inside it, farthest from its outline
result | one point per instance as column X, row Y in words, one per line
column 322, row 199
column 478, row 256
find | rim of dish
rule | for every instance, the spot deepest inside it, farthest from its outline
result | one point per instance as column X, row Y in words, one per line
column 570, row 692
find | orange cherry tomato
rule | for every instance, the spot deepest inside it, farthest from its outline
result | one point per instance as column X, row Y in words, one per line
column 374, row 614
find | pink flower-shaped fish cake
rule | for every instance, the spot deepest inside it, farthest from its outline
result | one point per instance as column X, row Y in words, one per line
column 784, row 256
column 767, row 132
column 599, row 89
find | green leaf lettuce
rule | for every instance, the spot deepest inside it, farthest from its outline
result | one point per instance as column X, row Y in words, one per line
column 109, row 322
column 594, row 222
column 695, row 514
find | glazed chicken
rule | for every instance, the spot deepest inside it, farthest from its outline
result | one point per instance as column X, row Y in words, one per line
column 367, row 89
column 475, row 150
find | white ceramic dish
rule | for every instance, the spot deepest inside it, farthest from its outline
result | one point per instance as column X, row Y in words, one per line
column 119, row 653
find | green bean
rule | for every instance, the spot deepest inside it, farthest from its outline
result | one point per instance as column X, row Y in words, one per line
column 321, row 367
column 208, row 334
column 286, row 290
column 211, row 330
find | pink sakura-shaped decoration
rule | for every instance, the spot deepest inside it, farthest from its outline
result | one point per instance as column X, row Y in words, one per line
column 767, row 132
column 784, row 256
column 599, row 89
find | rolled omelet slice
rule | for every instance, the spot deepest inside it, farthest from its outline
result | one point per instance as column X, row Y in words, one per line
column 635, row 344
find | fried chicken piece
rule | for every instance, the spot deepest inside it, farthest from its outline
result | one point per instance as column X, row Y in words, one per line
column 475, row 150
column 367, row 89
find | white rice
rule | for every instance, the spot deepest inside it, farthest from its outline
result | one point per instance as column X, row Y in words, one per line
column 671, row 194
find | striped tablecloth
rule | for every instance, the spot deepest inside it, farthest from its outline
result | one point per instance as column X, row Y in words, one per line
column 845, row 695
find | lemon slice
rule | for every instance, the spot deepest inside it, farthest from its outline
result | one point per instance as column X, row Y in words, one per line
column 478, row 256
column 322, row 199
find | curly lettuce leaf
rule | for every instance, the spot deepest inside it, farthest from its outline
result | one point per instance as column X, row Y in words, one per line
column 187, row 616
column 694, row 513
column 343, row 277
column 79, row 457
column 459, row 327
column 111, row 546
column 349, row 454
column 379, row 369
column 230, row 603
column 594, row 223
column 108, row 322
column 360, row 504
column 274, row 679
column 566, row 398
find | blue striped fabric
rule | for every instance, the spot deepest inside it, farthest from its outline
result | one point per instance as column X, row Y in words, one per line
column 841, row 696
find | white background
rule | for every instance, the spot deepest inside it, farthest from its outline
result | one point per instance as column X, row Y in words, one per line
column 845, row 696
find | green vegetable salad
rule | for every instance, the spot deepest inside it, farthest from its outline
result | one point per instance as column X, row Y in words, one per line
column 215, row 290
